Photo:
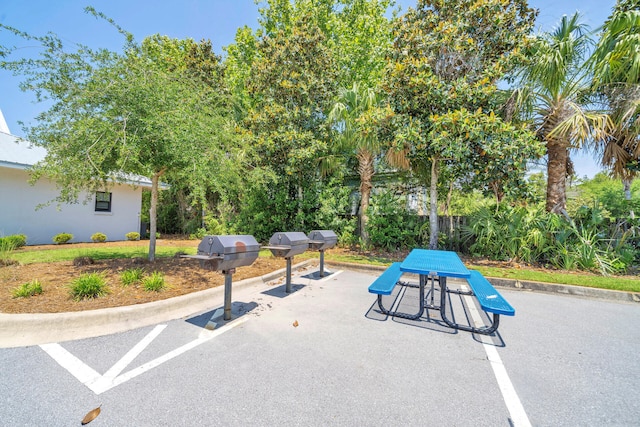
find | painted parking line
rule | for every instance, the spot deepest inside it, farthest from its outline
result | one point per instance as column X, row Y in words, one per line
column 518, row 415
column 114, row 377
column 329, row 277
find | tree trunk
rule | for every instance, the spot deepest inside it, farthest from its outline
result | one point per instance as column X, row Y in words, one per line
column 300, row 203
column 153, row 211
column 153, row 222
column 366, row 170
column 447, row 205
column 433, row 206
column 558, row 154
column 626, row 182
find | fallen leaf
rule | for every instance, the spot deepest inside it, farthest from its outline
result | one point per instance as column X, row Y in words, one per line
column 295, row 324
column 91, row 415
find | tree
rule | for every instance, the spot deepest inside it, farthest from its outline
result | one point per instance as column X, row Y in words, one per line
column 353, row 37
column 555, row 82
column 446, row 60
column 360, row 36
column 354, row 113
column 291, row 88
column 148, row 111
column 616, row 79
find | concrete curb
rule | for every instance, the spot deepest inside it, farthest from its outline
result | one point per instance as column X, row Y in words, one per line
column 18, row 330
column 566, row 289
column 526, row 285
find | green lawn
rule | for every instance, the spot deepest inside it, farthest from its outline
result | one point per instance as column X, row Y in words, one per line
column 629, row 284
column 100, row 252
column 105, row 251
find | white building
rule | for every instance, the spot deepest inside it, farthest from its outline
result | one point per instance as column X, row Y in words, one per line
column 113, row 213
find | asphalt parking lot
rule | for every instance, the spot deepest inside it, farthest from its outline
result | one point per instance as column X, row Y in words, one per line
column 561, row 361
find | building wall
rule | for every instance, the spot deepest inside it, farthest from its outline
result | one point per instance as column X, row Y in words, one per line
column 18, row 213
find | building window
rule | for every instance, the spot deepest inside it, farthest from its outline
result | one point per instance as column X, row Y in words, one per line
column 103, row 202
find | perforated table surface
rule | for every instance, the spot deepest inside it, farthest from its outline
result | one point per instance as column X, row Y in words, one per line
column 434, row 262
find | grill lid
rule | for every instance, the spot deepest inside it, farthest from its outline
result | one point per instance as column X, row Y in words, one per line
column 292, row 238
column 322, row 239
column 233, row 244
column 323, row 235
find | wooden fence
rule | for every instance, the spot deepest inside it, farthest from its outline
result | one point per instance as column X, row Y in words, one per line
column 451, row 227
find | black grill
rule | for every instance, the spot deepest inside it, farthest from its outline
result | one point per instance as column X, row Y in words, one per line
column 225, row 254
column 288, row 245
column 320, row 240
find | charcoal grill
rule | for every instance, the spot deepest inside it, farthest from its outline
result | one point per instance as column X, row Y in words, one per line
column 287, row 245
column 320, row 240
column 225, row 254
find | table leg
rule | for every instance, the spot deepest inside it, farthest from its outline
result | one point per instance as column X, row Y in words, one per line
column 406, row 315
column 425, row 279
column 486, row 330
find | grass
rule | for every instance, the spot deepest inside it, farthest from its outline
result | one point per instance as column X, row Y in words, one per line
column 154, row 282
column 105, row 251
column 7, row 251
column 28, row 289
column 87, row 286
column 576, row 278
column 101, row 252
column 353, row 258
column 564, row 278
column 132, row 276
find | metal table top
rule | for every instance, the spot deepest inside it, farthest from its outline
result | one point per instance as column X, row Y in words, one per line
column 434, row 262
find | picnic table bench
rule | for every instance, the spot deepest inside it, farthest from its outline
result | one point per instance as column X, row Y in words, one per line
column 384, row 284
column 437, row 266
column 489, row 299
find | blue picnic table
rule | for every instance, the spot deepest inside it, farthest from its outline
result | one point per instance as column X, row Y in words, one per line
column 436, row 266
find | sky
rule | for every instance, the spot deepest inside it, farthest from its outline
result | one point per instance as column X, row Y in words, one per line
column 216, row 20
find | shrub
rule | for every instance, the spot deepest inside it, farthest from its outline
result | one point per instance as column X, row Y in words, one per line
column 7, row 247
column 99, row 237
column 533, row 235
column 133, row 235
column 28, row 289
column 154, row 282
column 90, row 285
column 199, row 234
column 131, row 276
column 15, row 240
column 391, row 226
column 62, row 238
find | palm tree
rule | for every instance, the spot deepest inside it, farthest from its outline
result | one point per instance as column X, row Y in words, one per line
column 555, row 81
column 353, row 114
column 616, row 69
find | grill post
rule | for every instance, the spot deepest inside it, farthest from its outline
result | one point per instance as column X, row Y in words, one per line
column 288, row 283
column 322, row 263
column 227, row 294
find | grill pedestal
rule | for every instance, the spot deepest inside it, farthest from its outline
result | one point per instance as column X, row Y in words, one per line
column 287, row 245
column 227, row 294
column 321, row 240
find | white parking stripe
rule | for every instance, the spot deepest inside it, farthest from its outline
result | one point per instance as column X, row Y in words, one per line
column 177, row 352
column 71, row 363
column 116, row 369
column 101, row 383
column 331, row 276
column 518, row 415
